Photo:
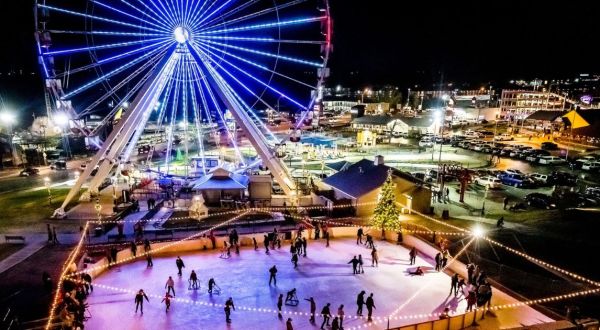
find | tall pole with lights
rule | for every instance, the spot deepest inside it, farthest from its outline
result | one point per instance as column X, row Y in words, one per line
column 8, row 119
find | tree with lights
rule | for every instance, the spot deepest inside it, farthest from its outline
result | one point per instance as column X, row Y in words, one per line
column 386, row 214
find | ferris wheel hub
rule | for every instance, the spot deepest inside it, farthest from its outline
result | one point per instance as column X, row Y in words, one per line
column 181, row 34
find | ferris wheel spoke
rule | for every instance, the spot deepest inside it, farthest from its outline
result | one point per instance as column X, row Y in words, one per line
column 262, row 67
column 222, row 117
column 266, row 54
column 105, row 46
column 263, row 26
column 124, row 82
column 115, row 71
column 212, row 13
column 164, row 12
column 172, row 7
column 196, row 113
column 226, row 15
column 195, row 11
column 203, row 11
column 162, row 27
column 103, row 19
column 108, row 33
column 173, row 113
column 209, row 27
column 156, row 16
column 273, row 89
column 248, row 109
column 266, row 40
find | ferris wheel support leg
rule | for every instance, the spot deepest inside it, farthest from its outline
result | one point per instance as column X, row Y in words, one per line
column 251, row 131
column 133, row 120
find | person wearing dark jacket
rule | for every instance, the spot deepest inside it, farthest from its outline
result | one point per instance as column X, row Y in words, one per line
column 313, row 309
column 354, row 263
column 139, row 300
column 326, row 313
column 179, row 263
column 370, row 305
column 360, row 301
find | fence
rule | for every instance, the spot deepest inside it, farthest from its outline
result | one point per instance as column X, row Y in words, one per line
column 452, row 323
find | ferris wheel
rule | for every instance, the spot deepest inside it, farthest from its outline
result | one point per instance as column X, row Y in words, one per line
column 192, row 68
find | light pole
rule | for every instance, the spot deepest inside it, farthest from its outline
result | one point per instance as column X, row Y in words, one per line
column 8, row 118
column 47, row 184
column 61, row 119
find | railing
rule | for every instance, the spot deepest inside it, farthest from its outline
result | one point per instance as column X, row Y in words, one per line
column 452, row 323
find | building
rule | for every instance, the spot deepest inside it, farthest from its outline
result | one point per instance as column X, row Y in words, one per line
column 398, row 124
column 518, row 104
column 221, row 185
column 338, row 106
column 361, row 182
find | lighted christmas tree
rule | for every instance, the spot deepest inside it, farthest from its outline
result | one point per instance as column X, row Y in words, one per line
column 386, row 214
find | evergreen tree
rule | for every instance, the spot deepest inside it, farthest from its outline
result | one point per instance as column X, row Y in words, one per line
column 386, row 214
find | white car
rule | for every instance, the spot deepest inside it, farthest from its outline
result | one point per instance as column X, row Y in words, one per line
column 504, row 137
column 591, row 166
column 542, row 178
column 489, row 181
column 585, row 159
column 426, row 142
column 551, row 160
column 472, row 135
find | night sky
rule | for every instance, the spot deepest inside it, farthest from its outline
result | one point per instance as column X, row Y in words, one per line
column 410, row 42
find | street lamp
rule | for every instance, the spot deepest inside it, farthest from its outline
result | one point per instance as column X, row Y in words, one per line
column 9, row 118
column 61, row 119
column 47, row 184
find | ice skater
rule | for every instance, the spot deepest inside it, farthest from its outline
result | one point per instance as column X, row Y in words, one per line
column 354, row 263
column 326, row 236
column 255, row 243
column 413, row 255
column 179, row 263
column 149, row 262
column 288, row 324
column 313, row 309
column 370, row 303
column 340, row 314
column 139, row 301
column 133, row 248
column 147, row 245
column 438, row 261
column 266, row 243
column 335, row 324
column 304, row 244
column 326, row 313
column 228, row 306
column 193, row 281
column 369, row 241
column 360, row 301
column 374, row 258
column 454, row 284
column 170, row 285
column 280, row 304
column 213, row 287
column 295, row 260
column 273, row 275
column 359, row 235
column 167, row 301
column 417, row 272
column 55, row 239
column 360, row 264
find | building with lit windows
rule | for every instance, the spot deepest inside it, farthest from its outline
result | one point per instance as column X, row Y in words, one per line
column 519, row 104
column 338, row 105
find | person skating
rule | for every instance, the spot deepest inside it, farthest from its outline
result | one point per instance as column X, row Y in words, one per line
column 170, row 285
column 295, row 260
column 438, row 261
column 370, row 303
column 179, row 263
column 413, row 255
column 279, row 304
column 113, row 254
column 273, row 275
column 454, row 284
column 461, row 284
column 55, row 239
column 326, row 313
column 87, row 278
column 193, row 280
column 445, row 257
column 471, row 300
column 266, row 243
column 326, row 236
column 133, row 248
column 228, row 306
column 211, row 285
column 374, row 258
column 149, row 262
column 354, row 263
column 360, row 265
column 369, row 241
column 359, row 235
column 288, row 324
column 255, row 243
column 147, row 245
column 313, row 309
column 304, row 244
column 470, row 270
column 139, row 301
column 167, row 301
column 335, row 324
column 360, row 301
column 417, row 272
column 340, row 314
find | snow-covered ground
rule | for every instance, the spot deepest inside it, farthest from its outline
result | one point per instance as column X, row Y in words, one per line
column 324, row 275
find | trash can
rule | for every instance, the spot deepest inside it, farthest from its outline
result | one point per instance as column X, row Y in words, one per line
column 98, row 231
column 445, row 214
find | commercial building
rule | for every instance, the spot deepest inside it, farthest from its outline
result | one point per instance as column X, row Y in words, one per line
column 518, row 104
column 398, row 124
column 338, row 106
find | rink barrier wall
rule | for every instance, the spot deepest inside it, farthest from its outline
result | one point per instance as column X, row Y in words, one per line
column 456, row 322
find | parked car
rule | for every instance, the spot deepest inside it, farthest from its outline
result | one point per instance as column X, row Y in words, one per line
column 551, row 160
column 473, row 135
column 426, row 142
column 539, row 178
column 591, row 166
column 504, row 137
column 585, row 159
column 534, row 156
column 506, row 151
column 59, row 165
column 560, row 178
column 540, row 201
column 29, row 171
column 516, row 180
column 489, row 182
column 549, row 146
column 513, row 171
